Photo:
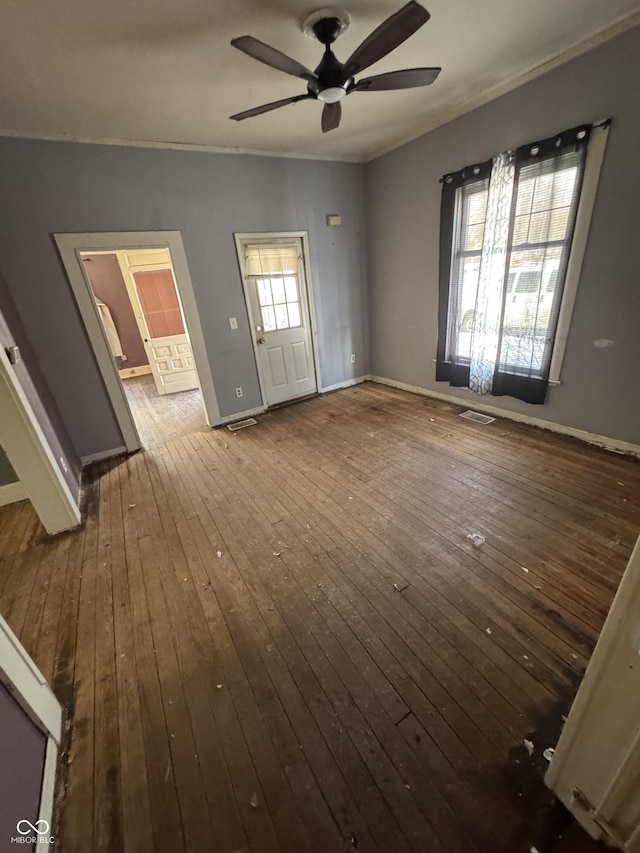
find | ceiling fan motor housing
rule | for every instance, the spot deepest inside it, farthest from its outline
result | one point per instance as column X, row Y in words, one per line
column 331, row 84
column 327, row 30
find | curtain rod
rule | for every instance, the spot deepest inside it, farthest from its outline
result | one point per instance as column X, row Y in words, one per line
column 605, row 122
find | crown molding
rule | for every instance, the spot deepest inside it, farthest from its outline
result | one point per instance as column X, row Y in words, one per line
column 37, row 136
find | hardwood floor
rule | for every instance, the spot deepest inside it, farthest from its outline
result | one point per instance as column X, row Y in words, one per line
column 282, row 639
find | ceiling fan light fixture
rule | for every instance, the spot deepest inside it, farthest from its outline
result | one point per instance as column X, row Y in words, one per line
column 332, row 94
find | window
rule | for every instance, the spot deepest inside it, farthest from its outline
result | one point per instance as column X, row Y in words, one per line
column 506, row 233
column 471, row 208
column 279, row 302
column 275, row 271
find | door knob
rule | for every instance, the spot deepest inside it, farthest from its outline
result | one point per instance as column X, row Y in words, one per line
column 259, row 340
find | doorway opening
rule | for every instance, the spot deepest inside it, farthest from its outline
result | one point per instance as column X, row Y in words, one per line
column 276, row 283
column 135, row 296
column 139, row 307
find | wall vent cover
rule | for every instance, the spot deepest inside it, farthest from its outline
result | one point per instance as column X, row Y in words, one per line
column 477, row 417
column 242, row 424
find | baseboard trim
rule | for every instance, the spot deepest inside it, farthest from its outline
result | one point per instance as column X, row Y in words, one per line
column 346, row 384
column 102, row 454
column 613, row 444
column 12, row 493
column 130, row 372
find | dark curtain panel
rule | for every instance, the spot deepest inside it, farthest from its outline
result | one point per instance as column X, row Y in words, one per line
column 457, row 235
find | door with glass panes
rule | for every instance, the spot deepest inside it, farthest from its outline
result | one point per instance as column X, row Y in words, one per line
column 279, row 311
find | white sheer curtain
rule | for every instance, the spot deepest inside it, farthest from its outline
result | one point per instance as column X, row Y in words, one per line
column 485, row 337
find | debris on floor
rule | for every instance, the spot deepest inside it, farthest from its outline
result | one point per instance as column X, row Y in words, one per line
column 253, row 802
column 488, row 630
column 549, row 753
column 528, row 745
column 477, row 539
column 525, row 569
column 218, row 553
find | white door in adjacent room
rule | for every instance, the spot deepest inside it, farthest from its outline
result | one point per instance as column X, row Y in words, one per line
column 278, row 300
column 168, row 347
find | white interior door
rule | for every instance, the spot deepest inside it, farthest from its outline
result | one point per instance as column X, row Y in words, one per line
column 278, row 301
column 595, row 770
column 164, row 334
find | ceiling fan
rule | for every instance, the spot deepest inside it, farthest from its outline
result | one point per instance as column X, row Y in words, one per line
column 332, row 79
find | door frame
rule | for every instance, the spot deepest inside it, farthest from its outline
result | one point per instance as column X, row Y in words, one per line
column 32, row 459
column 272, row 238
column 29, row 688
column 618, row 645
column 70, row 246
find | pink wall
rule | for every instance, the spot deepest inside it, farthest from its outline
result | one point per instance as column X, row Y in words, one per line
column 108, row 285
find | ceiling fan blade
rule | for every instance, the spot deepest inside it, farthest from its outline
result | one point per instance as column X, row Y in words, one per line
column 265, row 108
column 408, row 78
column 331, row 115
column 391, row 33
column 272, row 57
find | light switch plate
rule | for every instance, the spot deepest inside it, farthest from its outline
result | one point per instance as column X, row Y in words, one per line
column 233, row 322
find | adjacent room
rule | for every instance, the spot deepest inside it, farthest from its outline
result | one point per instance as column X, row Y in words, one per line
column 320, row 427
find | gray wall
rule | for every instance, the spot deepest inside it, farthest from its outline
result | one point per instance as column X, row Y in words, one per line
column 50, row 187
column 600, row 387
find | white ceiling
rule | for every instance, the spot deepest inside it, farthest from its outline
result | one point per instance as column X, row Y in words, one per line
column 163, row 71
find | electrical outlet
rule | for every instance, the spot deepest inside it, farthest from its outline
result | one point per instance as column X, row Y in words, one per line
column 238, row 391
column 353, row 358
column 233, row 322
